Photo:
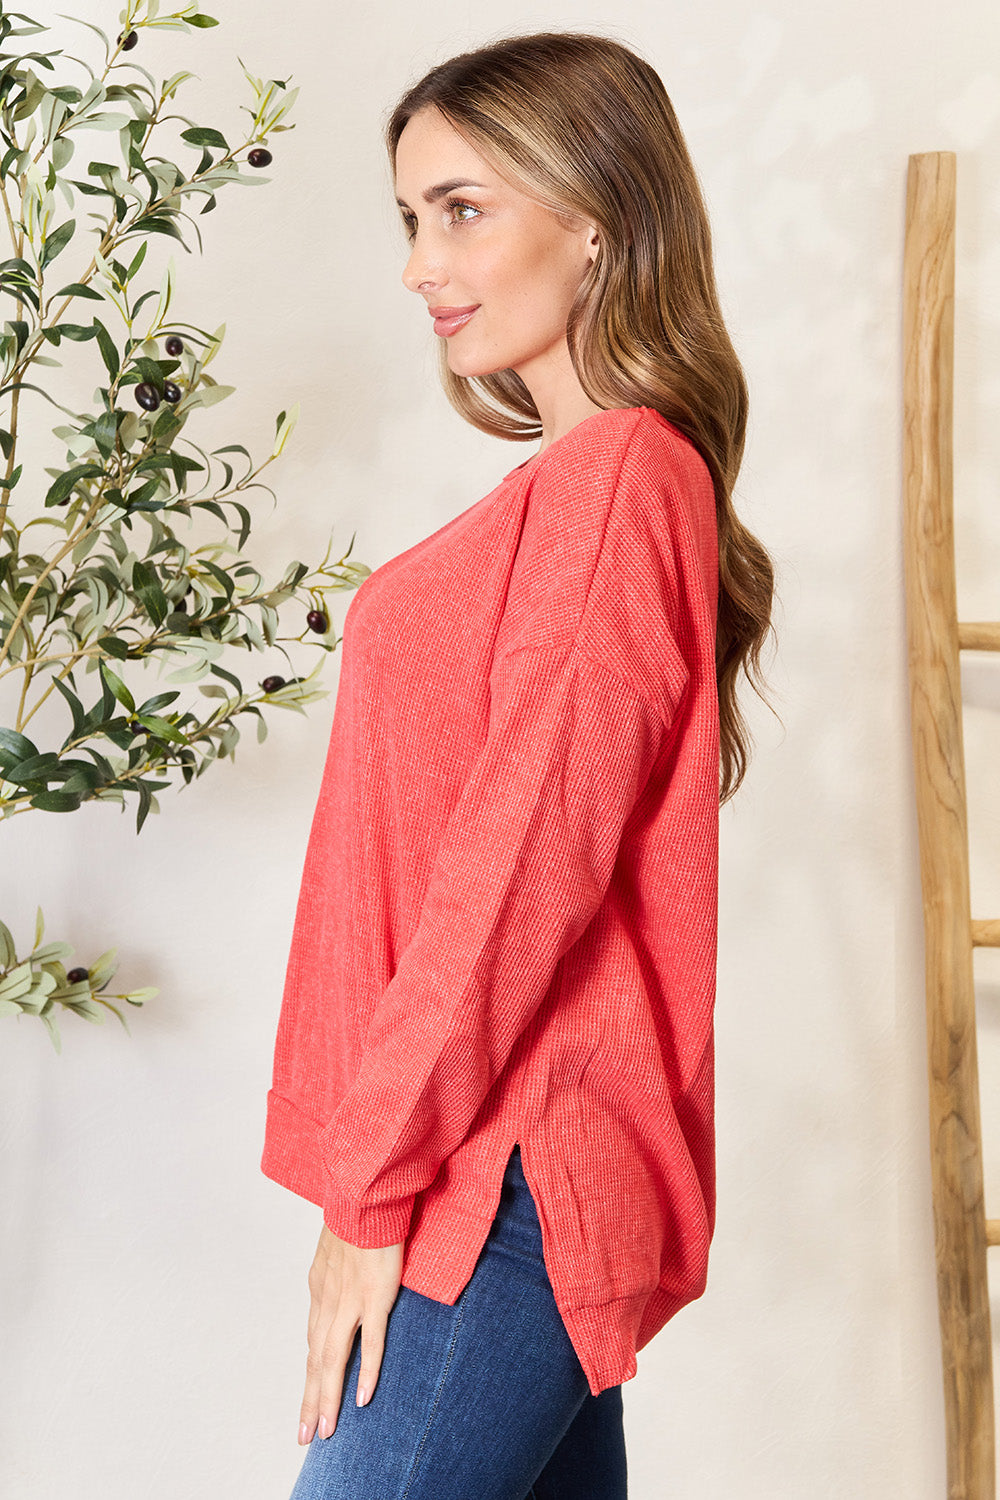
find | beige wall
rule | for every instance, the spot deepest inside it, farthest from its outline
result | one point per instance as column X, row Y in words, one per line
column 152, row 1281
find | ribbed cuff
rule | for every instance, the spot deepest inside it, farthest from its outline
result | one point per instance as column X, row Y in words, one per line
column 367, row 1227
column 292, row 1158
column 291, row 1150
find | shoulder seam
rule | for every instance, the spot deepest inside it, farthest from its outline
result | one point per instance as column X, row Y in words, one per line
column 573, row 647
column 607, row 518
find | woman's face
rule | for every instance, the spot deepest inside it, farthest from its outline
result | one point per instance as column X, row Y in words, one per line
column 480, row 245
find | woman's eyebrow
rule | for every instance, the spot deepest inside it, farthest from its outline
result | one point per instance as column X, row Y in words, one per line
column 432, row 194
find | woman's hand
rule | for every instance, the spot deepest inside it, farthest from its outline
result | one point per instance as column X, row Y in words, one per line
column 349, row 1286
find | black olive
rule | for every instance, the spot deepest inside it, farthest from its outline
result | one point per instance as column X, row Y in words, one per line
column 174, row 346
column 76, row 975
column 316, row 620
column 171, row 392
column 260, row 157
column 130, row 41
column 147, row 395
column 272, row 684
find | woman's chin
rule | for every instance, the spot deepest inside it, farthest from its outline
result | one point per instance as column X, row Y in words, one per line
column 469, row 365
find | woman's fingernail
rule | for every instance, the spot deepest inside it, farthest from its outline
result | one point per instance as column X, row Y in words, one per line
column 303, row 1434
column 362, row 1395
column 324, row 1427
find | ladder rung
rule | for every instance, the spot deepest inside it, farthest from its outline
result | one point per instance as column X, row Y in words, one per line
column 986, row 934
column 979, row 635
column 993, row 1231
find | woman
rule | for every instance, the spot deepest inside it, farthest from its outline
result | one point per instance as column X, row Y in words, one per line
column 494, row 1063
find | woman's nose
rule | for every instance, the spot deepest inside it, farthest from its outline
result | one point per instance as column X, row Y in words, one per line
column 421, row 270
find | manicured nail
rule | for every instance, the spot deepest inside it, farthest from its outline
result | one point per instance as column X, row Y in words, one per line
column 324, row 1427
column 303, row 1434
column 362, row 1395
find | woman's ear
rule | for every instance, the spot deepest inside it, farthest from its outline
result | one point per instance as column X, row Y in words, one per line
column 593, row 242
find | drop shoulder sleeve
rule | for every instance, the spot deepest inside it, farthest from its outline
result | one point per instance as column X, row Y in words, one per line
column 524, row 864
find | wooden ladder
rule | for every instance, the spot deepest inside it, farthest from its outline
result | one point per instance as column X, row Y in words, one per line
column 961, row 1230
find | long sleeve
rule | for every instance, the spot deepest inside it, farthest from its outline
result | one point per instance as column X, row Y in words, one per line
column 525, row 862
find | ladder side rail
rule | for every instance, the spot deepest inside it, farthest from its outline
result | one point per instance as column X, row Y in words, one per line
column 936, row 721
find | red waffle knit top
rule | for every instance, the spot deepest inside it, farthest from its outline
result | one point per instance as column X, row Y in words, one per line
column 506, row 928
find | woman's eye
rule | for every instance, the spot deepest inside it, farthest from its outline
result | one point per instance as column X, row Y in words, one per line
column 466, row 212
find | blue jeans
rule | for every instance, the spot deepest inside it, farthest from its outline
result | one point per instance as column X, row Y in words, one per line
column 486, row 1400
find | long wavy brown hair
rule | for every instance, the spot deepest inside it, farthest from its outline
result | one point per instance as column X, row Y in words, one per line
column 584, row 125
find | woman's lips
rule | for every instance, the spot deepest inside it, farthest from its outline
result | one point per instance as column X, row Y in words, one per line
column 448, row 320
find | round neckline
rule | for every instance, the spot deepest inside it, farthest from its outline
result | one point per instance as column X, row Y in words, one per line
column 594, row 415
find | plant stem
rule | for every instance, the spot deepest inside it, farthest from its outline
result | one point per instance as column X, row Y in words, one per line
column 17, row 245
column 49, row 566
